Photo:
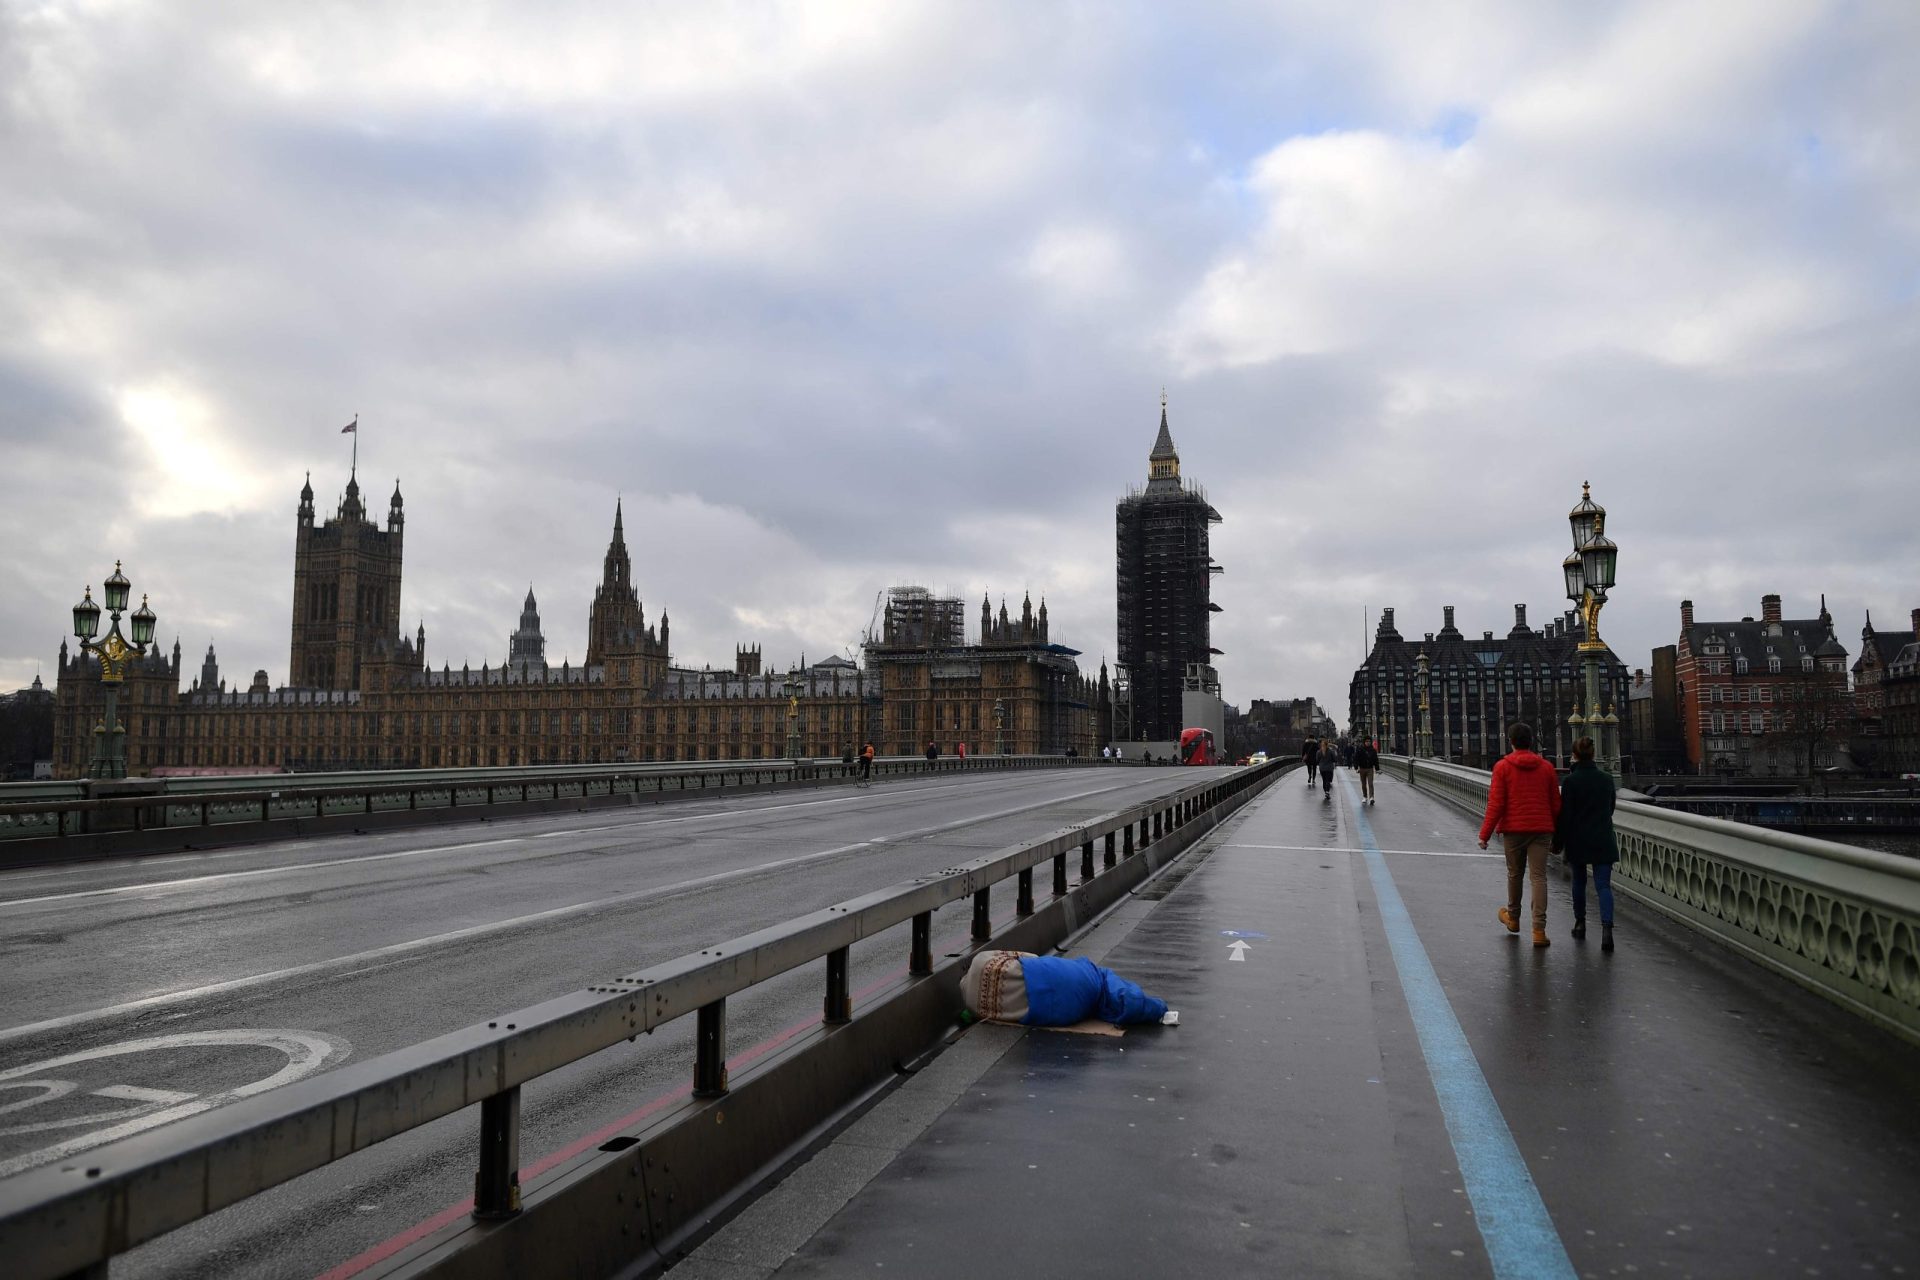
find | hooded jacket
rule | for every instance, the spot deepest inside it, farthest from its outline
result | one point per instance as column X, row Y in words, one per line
column 1585, row 829
column 1525, row 796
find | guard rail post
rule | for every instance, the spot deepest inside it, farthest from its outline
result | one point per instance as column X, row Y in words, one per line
column 1023, row 903
column 1086, row 858
column 710, row 1050
column 920, row 961
column 1060, row 869
column 839, row 991
column 496, row 1184
column 982, row 913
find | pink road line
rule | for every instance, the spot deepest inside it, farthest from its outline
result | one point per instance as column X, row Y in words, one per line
column 453, row 1212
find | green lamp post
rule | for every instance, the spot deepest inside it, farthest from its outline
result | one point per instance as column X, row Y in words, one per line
column 1589, row 572
column 116, row 655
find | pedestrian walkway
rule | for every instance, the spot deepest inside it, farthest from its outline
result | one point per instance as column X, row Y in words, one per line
column 1372, row 1078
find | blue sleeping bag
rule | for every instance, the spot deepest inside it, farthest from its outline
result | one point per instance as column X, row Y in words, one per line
column 1062, row 991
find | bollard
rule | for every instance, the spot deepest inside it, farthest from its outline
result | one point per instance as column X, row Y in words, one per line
column 496, row 1184
column 982, row 915
column 710, row 1050
column 839, row 1005
column 920, row 961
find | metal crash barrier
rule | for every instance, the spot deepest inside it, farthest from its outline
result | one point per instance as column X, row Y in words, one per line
column 104, row 815
column 609, row 1207
column 1840, row 919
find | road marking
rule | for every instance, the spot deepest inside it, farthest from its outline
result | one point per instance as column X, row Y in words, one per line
column 1242, row 933
column 1238, row 950
column 134, row 1093
column 296, row 867
column 1519, row 1234
column 306, row 1052
column 1321, row 848
column 397, row 950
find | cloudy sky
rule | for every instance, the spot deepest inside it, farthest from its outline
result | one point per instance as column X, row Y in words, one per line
column 842, row 295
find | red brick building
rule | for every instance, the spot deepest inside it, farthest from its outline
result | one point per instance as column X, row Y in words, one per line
column 1758, row 697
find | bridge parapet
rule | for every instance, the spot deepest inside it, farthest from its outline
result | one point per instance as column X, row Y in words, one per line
column 265, row 805
column 1838, row 918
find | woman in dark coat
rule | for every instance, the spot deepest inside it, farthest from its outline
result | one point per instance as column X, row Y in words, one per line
column 1584, row 834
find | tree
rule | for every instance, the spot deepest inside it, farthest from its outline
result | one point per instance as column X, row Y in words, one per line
column 1812, row 714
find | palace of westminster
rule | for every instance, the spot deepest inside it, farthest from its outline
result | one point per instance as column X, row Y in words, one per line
column 361, row 694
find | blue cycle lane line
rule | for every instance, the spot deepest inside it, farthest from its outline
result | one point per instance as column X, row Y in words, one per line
column 1521, row 1240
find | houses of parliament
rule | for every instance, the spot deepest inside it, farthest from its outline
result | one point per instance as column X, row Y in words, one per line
column 361, row 694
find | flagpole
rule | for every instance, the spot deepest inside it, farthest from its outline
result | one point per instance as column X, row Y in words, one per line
column 354, row 470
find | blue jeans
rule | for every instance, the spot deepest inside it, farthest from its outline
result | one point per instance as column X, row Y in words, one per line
column 1602, row 889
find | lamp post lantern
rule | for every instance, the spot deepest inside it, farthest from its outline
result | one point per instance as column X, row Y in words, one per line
column 116, row 654
column 792, row 688
column 999, row 727
column 1589, row 573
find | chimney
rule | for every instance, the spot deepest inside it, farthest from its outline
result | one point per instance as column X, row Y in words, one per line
column 1519, row 617
column 1449, row 613
column 1639, row 677
column 1916, row 625
column 1386, row 619
column 1769, row 608
column 1686, row 615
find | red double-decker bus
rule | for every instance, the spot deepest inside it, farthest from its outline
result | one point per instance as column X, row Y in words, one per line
column 1196, row 747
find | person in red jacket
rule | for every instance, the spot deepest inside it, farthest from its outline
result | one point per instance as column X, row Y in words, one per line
column 1523, row 805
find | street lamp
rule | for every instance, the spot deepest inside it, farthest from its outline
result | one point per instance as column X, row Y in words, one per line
column 109, row 758
column 999, row 727
column 792, row 688
column 1589, row 573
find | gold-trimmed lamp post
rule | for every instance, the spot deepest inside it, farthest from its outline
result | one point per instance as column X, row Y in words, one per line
column 999, row 727
column 116, row 654
column 793, row 687
column 1589, row 572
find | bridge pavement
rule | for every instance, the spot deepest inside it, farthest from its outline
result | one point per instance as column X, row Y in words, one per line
column 1387, row 1084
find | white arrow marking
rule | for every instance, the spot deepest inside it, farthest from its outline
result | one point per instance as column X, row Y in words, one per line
column 1239, row 949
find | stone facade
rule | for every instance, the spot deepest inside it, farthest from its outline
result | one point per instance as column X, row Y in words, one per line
column 1749, row 689
column 627, row 702
column 1476, row 688
column 935, row 687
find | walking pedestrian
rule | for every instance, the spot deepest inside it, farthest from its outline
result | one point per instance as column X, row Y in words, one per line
column 1523, row 805
column 866, row 765
column 1365, row 760
column 933, row 756
column 1329, row 761
column 1585, row 835
column 1310, row 755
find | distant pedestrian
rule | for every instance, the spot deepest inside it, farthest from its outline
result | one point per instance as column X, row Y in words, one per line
column 846, row 761
column 933, row 756
column 1329, row 761
column 1585, row 835
column 1523, row 805
column 866, row 765
column 1310, row 756
column 1365, row 760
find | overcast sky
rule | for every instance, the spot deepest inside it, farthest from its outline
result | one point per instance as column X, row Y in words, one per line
column 840, row 296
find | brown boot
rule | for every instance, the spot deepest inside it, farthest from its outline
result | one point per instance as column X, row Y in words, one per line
column 1540, row 938
column 1509, row 919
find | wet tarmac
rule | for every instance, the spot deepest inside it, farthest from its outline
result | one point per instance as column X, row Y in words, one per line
column 1670, row 1109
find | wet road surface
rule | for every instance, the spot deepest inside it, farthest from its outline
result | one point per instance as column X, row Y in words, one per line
column 137, row 991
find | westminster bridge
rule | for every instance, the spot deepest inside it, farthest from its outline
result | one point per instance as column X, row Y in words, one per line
column 617, row 1020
